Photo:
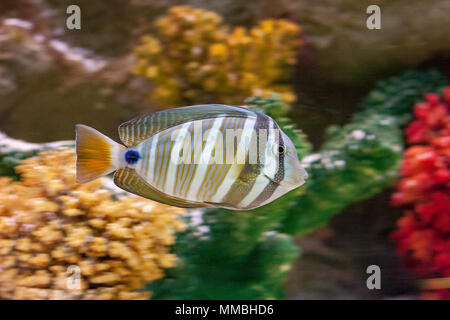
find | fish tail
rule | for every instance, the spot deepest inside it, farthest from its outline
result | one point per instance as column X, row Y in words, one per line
column 97, row 155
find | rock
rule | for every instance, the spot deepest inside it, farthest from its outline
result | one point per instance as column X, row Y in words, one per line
column 341, row 47
column 21, row 54
column 348, row 52
column 65, row 84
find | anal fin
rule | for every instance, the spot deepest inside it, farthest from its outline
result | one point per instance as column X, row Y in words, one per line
column 129, row 180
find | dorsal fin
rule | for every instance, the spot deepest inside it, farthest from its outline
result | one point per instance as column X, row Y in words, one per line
column 129, row 180
column 137, row 130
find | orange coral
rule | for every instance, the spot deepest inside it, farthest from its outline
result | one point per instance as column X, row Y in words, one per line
column 195, row 59
column 49, row 224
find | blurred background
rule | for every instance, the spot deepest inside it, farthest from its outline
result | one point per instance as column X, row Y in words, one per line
column 367, row 108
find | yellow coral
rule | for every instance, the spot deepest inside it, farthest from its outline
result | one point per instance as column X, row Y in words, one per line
column 49, row 224
column 193, row 58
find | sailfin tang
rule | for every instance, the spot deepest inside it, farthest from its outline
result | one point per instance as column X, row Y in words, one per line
column 129, row 180
column 135, row 131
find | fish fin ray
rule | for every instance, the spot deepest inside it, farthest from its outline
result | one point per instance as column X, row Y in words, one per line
column 96, row 154
column 129, row 180
column 223, row 205
column 139, row 129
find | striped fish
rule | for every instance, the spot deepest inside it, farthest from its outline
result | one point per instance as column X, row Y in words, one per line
column 197, row 156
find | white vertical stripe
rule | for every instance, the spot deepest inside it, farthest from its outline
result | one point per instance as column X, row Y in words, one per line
column 140, row 165
column 145, row 127
column 259, row 186
column 195, row 149
column 138, row 131
column 128, row 135
column 123, row 179
column 146, row 147
column 149, row 176
column 230, row 178
column 271, row 160
column 205, row 156
column 185, row 162
column 173, row 163
column 233, row 173
column 168, row 143
column 132, row 133
column 245, row 141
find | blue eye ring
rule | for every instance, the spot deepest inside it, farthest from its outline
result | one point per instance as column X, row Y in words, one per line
column 132, row 156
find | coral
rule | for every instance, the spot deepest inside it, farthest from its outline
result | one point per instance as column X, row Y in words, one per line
column 195, row 59
column 441, row 294
column 12, row 151
column 396, row 95
column 49, row 224
column 424, row 189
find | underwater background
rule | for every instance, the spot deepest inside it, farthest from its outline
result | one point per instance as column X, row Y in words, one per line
column 367, row 109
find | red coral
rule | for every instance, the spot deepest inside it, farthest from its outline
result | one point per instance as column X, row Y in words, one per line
column 423, row 233
column 441, row 294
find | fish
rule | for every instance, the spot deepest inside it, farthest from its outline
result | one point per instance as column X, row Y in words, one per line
column 211, row 155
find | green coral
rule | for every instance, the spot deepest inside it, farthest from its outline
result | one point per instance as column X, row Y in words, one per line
column 7, row 164
column 396, row 96
column 358, row 161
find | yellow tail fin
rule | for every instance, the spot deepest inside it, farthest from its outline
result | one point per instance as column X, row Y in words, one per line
column 97, row 155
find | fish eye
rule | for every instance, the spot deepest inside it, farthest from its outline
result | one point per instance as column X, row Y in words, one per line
column 281, row 149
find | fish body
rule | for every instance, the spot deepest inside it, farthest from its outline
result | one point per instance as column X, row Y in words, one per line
column 197, row 156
